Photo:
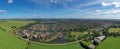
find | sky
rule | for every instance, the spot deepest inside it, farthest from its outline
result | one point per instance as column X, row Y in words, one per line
column 88, row 9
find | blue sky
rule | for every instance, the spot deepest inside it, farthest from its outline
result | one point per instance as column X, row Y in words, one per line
column 89, row 9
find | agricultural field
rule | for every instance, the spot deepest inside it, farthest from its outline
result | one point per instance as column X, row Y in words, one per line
column 110, row 43
column 70, row 46
column 114, row 30
column 6, row 24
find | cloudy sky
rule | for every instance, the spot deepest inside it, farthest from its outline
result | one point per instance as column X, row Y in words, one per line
column 90, row 9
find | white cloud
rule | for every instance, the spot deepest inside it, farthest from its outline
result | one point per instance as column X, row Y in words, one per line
column 69, row 0
column 108, row 12
column 116, row 4
column 116, row 11
column 10, row 1
column 105, row 4
column 54, row 1
column 98, row 10
column 2, row 11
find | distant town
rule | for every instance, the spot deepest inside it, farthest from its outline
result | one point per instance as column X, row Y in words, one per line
column 89, row 33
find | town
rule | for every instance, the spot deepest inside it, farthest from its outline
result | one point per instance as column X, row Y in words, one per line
column 89, row 33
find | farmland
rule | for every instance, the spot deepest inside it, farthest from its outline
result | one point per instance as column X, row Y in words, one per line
column 110, row 43
column 6, row 24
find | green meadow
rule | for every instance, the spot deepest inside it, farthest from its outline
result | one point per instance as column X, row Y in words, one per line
column 68, row 46
column 110, row 43
column 6, row 24
column 10, row 42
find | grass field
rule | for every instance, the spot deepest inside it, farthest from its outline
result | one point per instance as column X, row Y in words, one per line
column 114, row 30
column 7, row 41
column 110, row 43
column 86, row 43
column 70, row 46
column 7, row 24
column 10, row 42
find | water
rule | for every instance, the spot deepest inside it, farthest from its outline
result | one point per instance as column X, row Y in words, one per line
column 59, row 40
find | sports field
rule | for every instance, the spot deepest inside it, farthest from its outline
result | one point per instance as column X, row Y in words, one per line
column 114, row 30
